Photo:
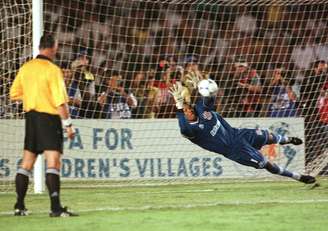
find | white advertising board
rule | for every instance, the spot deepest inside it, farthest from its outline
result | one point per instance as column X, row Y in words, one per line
column 149, row 149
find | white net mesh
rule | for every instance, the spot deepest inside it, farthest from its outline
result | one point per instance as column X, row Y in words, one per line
column 120, row 57
column 15, row 49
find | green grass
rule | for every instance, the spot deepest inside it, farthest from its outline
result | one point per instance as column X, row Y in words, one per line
column 223, row 205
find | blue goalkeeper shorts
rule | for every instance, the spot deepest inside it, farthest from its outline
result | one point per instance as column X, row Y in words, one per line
column 255, row 137
column 247, row 155
column 246, row 148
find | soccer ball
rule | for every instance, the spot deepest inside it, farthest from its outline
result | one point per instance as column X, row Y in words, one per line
column 207, row 88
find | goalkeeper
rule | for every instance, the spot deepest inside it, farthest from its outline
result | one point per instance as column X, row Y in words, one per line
column 207, row 129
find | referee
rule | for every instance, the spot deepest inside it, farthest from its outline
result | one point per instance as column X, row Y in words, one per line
column 40, row 85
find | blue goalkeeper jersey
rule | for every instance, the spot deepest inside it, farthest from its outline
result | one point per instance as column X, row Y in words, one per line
column 210, row 131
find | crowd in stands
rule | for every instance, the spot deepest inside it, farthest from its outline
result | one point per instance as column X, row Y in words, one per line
column 133, row 52
column 120, row 58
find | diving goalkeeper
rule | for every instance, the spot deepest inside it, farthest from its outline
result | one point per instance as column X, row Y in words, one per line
column 207, row 129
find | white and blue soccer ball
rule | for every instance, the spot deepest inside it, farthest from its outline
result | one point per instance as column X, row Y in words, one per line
column 207, row 88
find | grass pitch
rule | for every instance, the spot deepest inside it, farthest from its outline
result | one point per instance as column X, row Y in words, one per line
column 225, row 205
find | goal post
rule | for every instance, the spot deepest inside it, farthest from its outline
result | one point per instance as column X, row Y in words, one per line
column 37, row 31
column 269, row 59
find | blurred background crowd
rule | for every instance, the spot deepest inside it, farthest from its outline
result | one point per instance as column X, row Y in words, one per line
column 120, row 57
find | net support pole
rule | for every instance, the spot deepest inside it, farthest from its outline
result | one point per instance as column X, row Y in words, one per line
column 37, row 30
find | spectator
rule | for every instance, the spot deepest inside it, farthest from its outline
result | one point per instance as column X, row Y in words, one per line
column 245, row 24
column 319, row 130
column 93, row 29
column 171, row 72
column 311, row 85
column 82, row 88
column 144, row 90
column 323, row 116
column 68, row 77
column 321, row 50
column 311, row 89
column 248, row 91
column 274, row 15
column 277, row 47
column 282, row 102
column 138, row 87
column 115, row 102
column 164, row 101
column 304, row 54
column 213, row 50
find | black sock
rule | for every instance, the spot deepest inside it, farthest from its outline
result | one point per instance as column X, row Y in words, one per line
column 53, row 185
column 21, row 182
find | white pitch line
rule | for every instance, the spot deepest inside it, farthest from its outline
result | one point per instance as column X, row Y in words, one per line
column 155, row 192
column 164, row 191
column 186, row 206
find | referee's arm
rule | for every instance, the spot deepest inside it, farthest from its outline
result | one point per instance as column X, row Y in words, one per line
column 60, row 99
column 16, row 90
column 64, row 115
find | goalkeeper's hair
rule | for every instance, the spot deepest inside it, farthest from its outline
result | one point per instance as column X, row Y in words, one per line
column 47, row 41
column 191, row 106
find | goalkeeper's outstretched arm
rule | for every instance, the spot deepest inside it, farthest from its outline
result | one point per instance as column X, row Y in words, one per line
column 205, row 104
column 185, row 128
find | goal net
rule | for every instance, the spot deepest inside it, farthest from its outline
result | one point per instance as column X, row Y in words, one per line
column 119, row 59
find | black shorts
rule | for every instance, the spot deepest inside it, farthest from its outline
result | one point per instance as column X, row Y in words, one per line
column 43, row 131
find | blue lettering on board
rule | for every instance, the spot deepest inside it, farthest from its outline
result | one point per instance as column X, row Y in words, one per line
column 206, row 166
column 96, row 138
column 111, row 139
column 4, row 168
column 104, row 167
column 217, row 167
column 142, row 165
column 79, row 166
column 66, row 168
column 125, row 167
column 126, row 135
column 91, row 168
column 182, row 171
column 194, row 167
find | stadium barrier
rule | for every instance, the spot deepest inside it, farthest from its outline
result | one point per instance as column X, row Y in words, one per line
column 125, row 150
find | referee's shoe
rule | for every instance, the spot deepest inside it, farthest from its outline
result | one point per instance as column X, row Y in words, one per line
column 21, row 212
column 63, row 212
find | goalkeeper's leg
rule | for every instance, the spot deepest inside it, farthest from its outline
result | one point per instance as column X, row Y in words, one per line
column 275, row 169
column 279, row 139
column 250, row 156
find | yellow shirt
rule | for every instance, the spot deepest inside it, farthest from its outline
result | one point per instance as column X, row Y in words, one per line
column 40, row 85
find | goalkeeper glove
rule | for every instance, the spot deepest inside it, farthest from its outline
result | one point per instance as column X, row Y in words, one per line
column 192, row 79
column 176, row 92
